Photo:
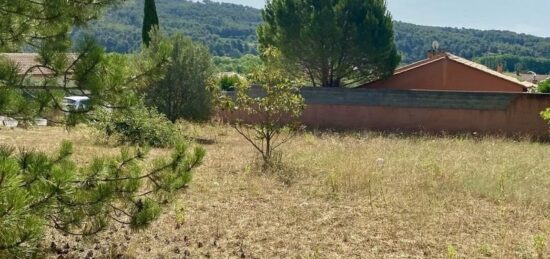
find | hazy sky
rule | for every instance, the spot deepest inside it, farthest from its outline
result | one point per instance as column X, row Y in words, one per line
column 527, row 16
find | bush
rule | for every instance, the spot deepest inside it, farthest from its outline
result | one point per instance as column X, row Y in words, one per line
column 544, row 87
column 229, row 82
column 184, row 92
column 137, row 126
column 546, row 115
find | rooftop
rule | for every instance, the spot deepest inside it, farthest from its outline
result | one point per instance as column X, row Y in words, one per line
column 466, row 62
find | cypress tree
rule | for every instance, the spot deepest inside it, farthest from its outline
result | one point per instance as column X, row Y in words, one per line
column 150, row 20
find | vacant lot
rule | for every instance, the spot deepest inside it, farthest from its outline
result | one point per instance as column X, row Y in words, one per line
column 338, row 195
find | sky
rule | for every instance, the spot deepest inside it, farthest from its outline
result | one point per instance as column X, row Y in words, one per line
column 527, row 16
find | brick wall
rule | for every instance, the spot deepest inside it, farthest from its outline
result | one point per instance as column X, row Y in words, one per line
column 432, row 111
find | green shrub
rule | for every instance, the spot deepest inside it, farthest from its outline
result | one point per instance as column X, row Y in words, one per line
column 184, row 92
column 546, row 115
column 137, row 126
column 544, row 87
column 229, row 82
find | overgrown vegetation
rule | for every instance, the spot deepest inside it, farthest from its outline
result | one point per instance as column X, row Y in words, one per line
column 354, row 194
column 184, row 92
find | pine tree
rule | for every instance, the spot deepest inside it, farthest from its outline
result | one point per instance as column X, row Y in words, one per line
column 150, row 20
column 337, row 43
column 39, row 191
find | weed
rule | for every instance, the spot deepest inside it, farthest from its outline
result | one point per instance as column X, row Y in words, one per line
column 451, row 252
column 539, row 245
column 486, row 250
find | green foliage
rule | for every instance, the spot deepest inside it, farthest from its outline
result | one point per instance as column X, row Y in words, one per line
column 138, row 125
column 109, row 80
column 546, row 115
column 544, row 87
column 243, row 65
column 229, row 82
column 150, row 20
column 39, row 191
column 451, row 252
column 414, row 40
column 539, row 245
column 226, row 29
column 272, row 112
column 515, row 63
column 230, row 30
column 184, row 92
column 333, row 41
column 33, row 22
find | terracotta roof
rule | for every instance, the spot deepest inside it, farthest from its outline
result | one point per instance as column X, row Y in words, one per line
column 26, row 61
column 465, row 62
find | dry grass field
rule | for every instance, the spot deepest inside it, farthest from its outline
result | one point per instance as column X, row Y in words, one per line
column 337, row 195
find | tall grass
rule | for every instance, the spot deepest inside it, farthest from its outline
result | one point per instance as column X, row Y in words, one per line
column 498, row 169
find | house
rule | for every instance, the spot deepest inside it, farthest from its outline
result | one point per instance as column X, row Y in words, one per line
column 447, row 72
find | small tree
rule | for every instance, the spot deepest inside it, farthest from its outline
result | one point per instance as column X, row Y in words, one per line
column 184, row 91
column 273, row 112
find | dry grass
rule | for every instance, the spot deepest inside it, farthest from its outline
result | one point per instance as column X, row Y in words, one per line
column 340, row 195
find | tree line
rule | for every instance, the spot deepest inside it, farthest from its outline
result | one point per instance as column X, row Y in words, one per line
column 229, row 30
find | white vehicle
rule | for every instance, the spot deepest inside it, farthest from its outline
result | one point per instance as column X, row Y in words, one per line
column 76, row 103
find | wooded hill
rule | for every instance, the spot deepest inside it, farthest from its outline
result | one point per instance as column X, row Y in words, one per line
column 230, row 30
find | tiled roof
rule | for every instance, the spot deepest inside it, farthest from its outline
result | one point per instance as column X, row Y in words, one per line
column 464, row 62
column 26, row 61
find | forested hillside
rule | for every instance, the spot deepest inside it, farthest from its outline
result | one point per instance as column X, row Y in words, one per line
column 227, row 29
column 516, row 51
column 230, row 30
